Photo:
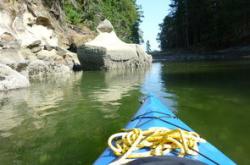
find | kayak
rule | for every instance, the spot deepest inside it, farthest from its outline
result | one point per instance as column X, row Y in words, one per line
column 153, row 113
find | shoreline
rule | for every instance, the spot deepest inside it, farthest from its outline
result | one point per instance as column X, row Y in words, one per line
column 235, row 53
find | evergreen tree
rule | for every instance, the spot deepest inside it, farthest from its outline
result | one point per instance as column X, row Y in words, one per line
column 148, row 46
column 208, row 24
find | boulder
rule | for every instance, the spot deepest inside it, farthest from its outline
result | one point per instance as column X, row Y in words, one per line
column 10, row 44
column 44, row 22
column 36, row 49
column 105, row 26
column 46, row 55
column 34, row 44
column 107, row 52
column 11, row 79
column 77, row 36
column 8, row 41
column 11, row 57
column 39, row 68
column 28, row 29
column 7, row 37
column 48, row 47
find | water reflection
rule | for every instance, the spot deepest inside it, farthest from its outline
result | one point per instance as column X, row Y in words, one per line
column 155, row 84
column 213, row 98
column 67, row 120
column 110, row 87
column 45, row 97
column 33, row 103
column 117, row 84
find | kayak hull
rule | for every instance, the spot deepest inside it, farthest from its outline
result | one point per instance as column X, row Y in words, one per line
column 153, row 113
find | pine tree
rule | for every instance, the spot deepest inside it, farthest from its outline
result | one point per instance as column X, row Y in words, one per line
column 148, row 46
column 209, row 24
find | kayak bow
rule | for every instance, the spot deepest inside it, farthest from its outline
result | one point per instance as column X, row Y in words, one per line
column 153, row 113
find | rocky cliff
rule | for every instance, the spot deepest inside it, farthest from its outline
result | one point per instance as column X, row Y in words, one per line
column 37, row 39
column 34, row 42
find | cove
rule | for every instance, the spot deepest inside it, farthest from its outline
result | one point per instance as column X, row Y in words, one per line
column 68, row 121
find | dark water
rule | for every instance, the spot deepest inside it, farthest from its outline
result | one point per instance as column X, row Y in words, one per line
column 67, row 119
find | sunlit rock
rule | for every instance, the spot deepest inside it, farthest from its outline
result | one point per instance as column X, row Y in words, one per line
column 11, row 79
column 107, row 52
column 105, row 26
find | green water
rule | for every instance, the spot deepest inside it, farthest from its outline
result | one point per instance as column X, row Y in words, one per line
column 67, row 119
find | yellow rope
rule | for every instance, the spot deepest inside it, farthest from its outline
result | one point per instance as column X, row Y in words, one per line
column 157, row 141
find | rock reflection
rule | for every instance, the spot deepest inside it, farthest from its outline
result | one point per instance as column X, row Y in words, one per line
column 34, row 103
column 9, row 114
column 118, row 84
column 111, row 87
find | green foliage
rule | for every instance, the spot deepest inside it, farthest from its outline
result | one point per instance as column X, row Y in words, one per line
column 73, row 15
column 208, row 24
column 125, row 16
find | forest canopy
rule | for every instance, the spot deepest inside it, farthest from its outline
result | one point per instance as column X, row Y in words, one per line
column 205, row 24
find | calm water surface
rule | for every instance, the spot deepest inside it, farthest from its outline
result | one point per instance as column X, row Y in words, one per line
column 67, row 119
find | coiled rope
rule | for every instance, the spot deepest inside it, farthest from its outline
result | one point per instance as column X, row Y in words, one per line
column 127, row 145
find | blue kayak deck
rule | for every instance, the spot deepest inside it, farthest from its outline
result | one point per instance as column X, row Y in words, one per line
column 153, row 113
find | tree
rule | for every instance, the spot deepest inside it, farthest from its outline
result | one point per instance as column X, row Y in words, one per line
column 125, row 15
column 206, row 24
column 148, row 46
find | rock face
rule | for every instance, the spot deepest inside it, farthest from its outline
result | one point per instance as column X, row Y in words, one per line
column 33, row 43
column 108, row 52
column 11, row 79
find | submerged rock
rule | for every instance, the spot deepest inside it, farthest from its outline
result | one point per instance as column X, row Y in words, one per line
column 11, row 79
column 107, row 52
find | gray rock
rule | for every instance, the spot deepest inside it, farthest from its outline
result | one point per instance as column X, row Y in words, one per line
column 11, row 79
column 48, row 47
column 6, row 36
column 108, row 52
column 99, row 58
column 2, row 78
column 39, row 68
column 91, row 57
column 11, row 57
column 44, row 22
column 60, row 51
column 10, row 44
column 35, row 46
column 36, row 49
column 27, row 54
column 18, row 25
column 105, row 26
column 36, row 43
column 49, row 56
